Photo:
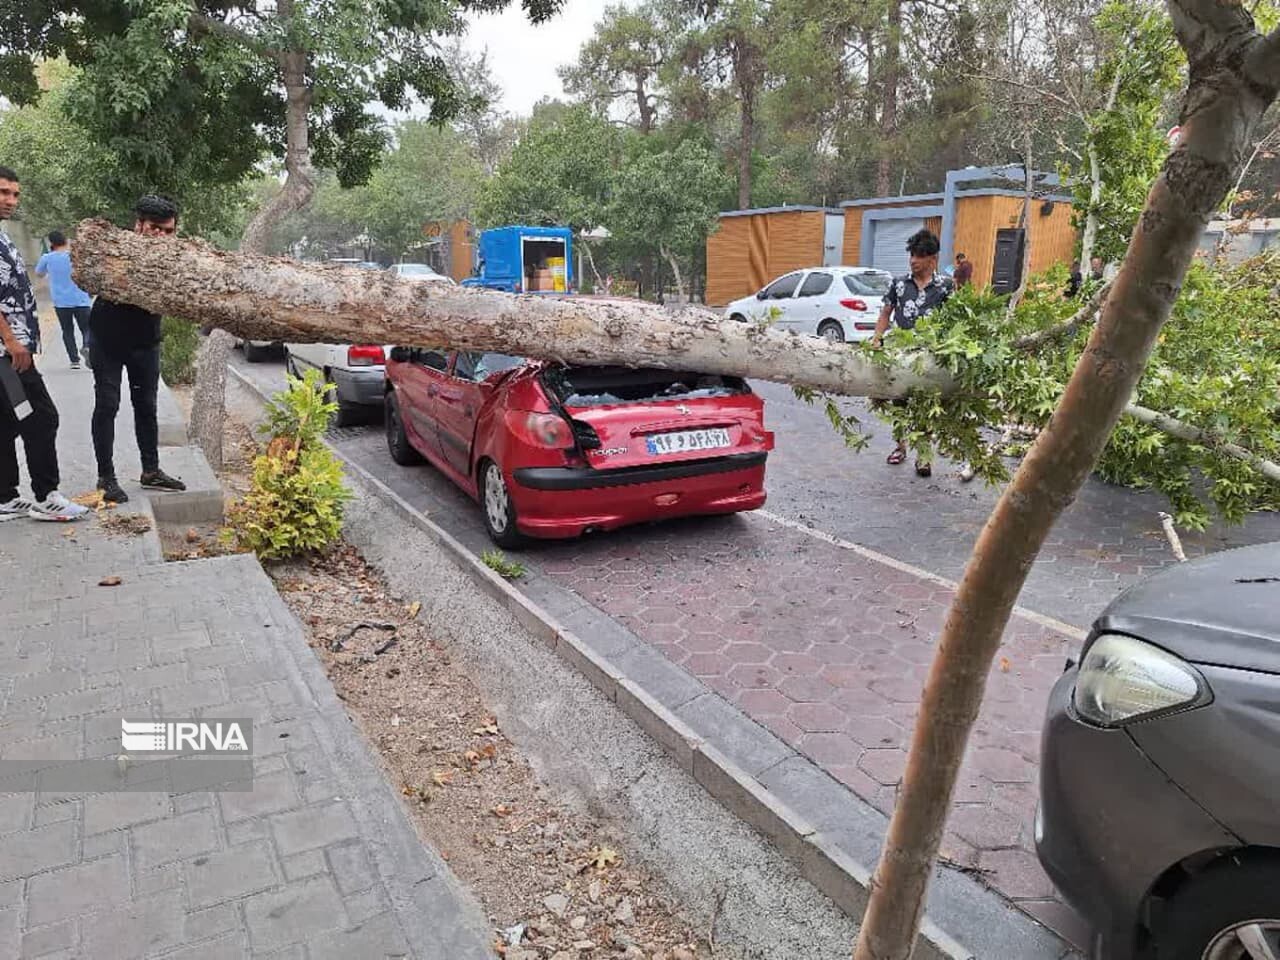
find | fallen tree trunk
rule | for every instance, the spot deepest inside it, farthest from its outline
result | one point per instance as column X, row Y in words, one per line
column 310, row 303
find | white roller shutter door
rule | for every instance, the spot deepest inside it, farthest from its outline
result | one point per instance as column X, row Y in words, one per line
column 890, row 248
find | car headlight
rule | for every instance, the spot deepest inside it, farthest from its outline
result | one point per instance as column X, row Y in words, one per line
column 1123, row 679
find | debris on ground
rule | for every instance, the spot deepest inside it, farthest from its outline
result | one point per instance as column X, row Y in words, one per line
column 125, row 524
column 555, row 882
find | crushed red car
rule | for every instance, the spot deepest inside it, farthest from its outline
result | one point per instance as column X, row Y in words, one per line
column 557, row 451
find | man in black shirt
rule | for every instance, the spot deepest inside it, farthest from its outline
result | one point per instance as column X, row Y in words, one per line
column 127, row 338
column 911, row 297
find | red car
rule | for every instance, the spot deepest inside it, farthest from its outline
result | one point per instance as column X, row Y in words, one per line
column 556, row 451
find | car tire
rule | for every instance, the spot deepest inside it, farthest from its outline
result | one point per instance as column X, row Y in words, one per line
column 497, row 509
column 256, row 354
column 348, row 413
column 1218, row 907
column 831, row 331
column 398, row 445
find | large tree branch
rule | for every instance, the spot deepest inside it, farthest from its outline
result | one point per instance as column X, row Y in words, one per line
column 1205, row 438
column 200, row 23
column 328, row 304
column 1263, row 62
column 1067, row 328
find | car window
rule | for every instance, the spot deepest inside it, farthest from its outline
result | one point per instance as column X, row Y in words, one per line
column 478, row 366
column 782, row 288
column 867, row 284
column 434, row 359
column 815, row 283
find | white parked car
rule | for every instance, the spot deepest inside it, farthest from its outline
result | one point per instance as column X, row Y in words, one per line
column 837, row 303
column 418, row 271
column 357, row 372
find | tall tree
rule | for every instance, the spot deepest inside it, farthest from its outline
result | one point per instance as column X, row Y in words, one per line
column 620, row 64
column 1234, row 79
column 211, row 83
column 669, row 198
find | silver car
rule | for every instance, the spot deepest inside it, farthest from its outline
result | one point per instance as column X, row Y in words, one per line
column 1159, row 814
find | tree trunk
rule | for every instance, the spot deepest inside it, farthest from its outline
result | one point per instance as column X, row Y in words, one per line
column 1090, row 236
column 271, row 298
column 1024, row 224
column 208, row 401
column 889, row 96
column 675, row 272
column 1235, row 75
column 747, row 136
column 869, row 94
column 644, row 107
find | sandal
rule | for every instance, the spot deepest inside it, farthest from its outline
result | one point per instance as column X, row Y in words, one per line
column 898, row 456
column 923, row 469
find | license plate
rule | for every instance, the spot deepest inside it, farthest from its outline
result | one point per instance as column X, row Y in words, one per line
column 686, row 440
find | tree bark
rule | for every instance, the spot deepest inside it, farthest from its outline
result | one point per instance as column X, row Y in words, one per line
column 1205, row 438
column 889, row 95
column 1090, row 235
column 744, row 70
column 1234, row 77
column 270, row 298
column 208, row 401
column 644, row 107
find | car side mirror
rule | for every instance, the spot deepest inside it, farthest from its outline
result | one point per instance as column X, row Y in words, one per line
column 760, row 295
column 400, row 354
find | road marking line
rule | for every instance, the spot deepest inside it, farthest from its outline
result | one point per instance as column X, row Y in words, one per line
column 1042, row 619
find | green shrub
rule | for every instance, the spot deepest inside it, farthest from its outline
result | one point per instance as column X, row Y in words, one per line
column 294, row 505
column 178, row 350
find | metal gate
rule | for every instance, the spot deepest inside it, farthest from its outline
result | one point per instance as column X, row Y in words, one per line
column 889, row 251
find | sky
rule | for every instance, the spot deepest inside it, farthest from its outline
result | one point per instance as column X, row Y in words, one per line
column 524, row 58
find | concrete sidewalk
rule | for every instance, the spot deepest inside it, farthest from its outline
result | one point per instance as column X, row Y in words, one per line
column 319, row 860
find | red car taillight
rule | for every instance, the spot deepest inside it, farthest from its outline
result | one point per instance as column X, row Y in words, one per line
column 540, row 429
column 365, row 355
column 860, row 306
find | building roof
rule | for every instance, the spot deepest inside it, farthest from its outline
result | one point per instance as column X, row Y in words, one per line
column 797, row 208
column 885, row 201
column 930, row 198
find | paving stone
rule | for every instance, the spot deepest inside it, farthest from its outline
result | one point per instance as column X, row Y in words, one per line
column 136, row 929
column 351, row 867
column 174, row 838
column 16, row 811
column 34, row 851
column 42, row 941
column 80, row 889
column 305, row 865
column 230, row 947
column 312, row 827
column 271, row 793
column 294, row 913
column 112, row 811
column 379, row 936
column 212, row 922
column 229, row 875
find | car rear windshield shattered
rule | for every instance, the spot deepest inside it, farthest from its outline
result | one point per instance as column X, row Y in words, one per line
column 600, row 386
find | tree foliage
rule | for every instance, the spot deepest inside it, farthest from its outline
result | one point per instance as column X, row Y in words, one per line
column 1216, row 367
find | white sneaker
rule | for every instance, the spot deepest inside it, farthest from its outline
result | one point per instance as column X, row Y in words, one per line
column 58, row 508
column 966, row 472
column 15, row 508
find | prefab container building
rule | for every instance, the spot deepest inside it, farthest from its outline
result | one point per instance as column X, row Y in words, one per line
column 971, row 217
column 751, row 247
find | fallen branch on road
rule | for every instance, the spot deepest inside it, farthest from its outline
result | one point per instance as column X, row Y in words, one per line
column 1192, row 434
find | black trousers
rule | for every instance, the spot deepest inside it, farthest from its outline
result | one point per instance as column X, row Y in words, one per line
column 142, row 364
column 39, row 432
column 70, row 318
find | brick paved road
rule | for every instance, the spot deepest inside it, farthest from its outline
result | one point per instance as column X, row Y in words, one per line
column 318, row 860
column 828, row 648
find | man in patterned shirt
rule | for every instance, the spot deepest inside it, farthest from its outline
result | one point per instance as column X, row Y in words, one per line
column 909, row 298
column 26, row 409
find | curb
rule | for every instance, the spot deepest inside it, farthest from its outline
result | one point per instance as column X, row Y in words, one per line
column 817, row 842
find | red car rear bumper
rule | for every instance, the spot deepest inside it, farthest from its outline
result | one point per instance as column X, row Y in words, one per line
column 558, row 502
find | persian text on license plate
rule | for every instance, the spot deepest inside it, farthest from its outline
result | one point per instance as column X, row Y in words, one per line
column 686, row 440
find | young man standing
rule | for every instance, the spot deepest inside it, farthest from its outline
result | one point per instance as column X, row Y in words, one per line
column 963, row 275
column 126, row 338
column 909, row 298
column 26, row 409
column 71, row 303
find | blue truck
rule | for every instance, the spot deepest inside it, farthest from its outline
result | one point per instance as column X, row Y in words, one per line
column 525, row 260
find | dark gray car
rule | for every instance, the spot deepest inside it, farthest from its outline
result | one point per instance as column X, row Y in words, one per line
column 1160, row 766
